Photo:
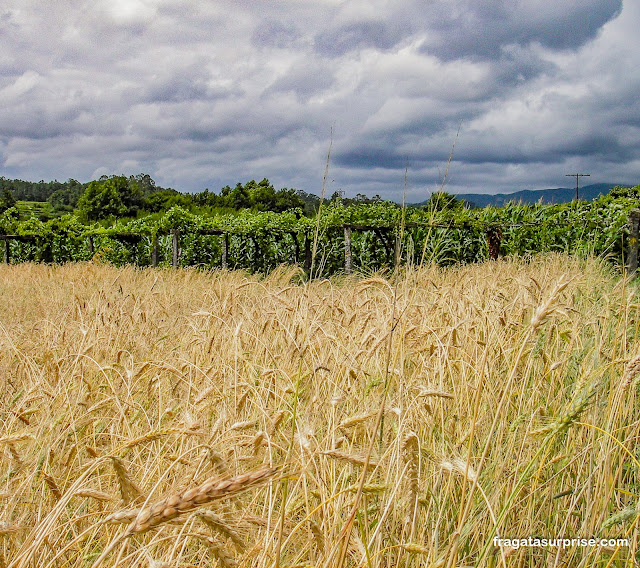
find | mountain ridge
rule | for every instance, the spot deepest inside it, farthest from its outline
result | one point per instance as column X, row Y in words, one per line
column 530, row 196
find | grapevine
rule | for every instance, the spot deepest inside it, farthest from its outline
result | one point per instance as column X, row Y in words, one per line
column 260, row 241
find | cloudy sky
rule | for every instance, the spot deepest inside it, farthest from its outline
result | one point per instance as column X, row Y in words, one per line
column 208, row 93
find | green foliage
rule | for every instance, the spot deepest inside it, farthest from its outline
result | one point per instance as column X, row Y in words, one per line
column 32, row 191
column 66, row 199
column 287, row 199
column 625, row 192
column 310, row 202
column 260, row 240
column 116, row 196
column 443, row 201
column 164, row 200
column 256, row 196
column 146, row 184
column 7, row 200
column 63, row 197
column 39, row 209
column 9, row 221
column 261, row 196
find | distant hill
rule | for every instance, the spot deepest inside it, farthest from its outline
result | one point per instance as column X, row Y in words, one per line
column 558, row 195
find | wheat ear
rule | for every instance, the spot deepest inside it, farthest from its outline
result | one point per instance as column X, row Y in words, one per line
column 624, row 516
column 572, row 414
column 218, row 524
column 352, row 459
column 543, row 311
column 129, row 490
column 410, row 450
column 191, row 499
column 52, row 485
column 631, row 371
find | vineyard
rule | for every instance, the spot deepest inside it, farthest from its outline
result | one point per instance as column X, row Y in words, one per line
column 362, row 238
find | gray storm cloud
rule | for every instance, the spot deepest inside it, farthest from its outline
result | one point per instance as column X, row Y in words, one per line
column 207, row 94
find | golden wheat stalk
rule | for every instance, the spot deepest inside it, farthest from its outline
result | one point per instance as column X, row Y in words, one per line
column 410, row 450
column 276, row 420
column 149, row 437
column 15, row 455
column 370, row 488
column 218, row 524
column 318, row 535
column 129, row 490
column 352, row 459
column 258, row 441
column 413, row 548
column 93, row 494
column 459, row 466
column 425, row 391
column 16, row 438
column 190, row 499
column 245, row 425
column 53, row 486
column 631, row 371
column 92, row 452
column 217, row 461
column 7, row 528
column 544, row 310
column 225, row 560
column 355, row 420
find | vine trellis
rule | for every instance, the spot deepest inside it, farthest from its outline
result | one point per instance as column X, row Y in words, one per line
column 388, row 236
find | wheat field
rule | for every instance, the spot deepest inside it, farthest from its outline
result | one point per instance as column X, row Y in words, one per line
column 176, row 418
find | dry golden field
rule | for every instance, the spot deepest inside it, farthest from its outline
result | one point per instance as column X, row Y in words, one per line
column 181, row 419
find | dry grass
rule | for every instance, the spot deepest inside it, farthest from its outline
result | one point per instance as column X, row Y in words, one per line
column 188, row 406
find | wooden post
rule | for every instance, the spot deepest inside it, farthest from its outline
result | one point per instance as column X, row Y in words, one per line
column 294, row 236
column 46, row 252
column 307, row 252
column 91, row 249
column 256, row 250
column 225, row 251
column 494, row 240
column 175, row 247
column 135, row 248
column 347, row 250
column 634, row 223
column 381, row 237
column 7, row 250
column 154, row 250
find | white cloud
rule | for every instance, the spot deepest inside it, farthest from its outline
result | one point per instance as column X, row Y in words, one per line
column 130, row 11
column 20, row 87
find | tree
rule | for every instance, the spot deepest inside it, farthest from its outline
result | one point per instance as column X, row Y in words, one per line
column 204, row 198
column 114, row 196
column 311, row 202
column 7, row 201
column 165, row 200
column 239, row 197
column 288, row 199
column 66, row 198
column 441, row 201
column 145, row 183
column 261, row 195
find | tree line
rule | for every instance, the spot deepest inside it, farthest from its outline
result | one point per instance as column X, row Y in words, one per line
column 119, row 196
